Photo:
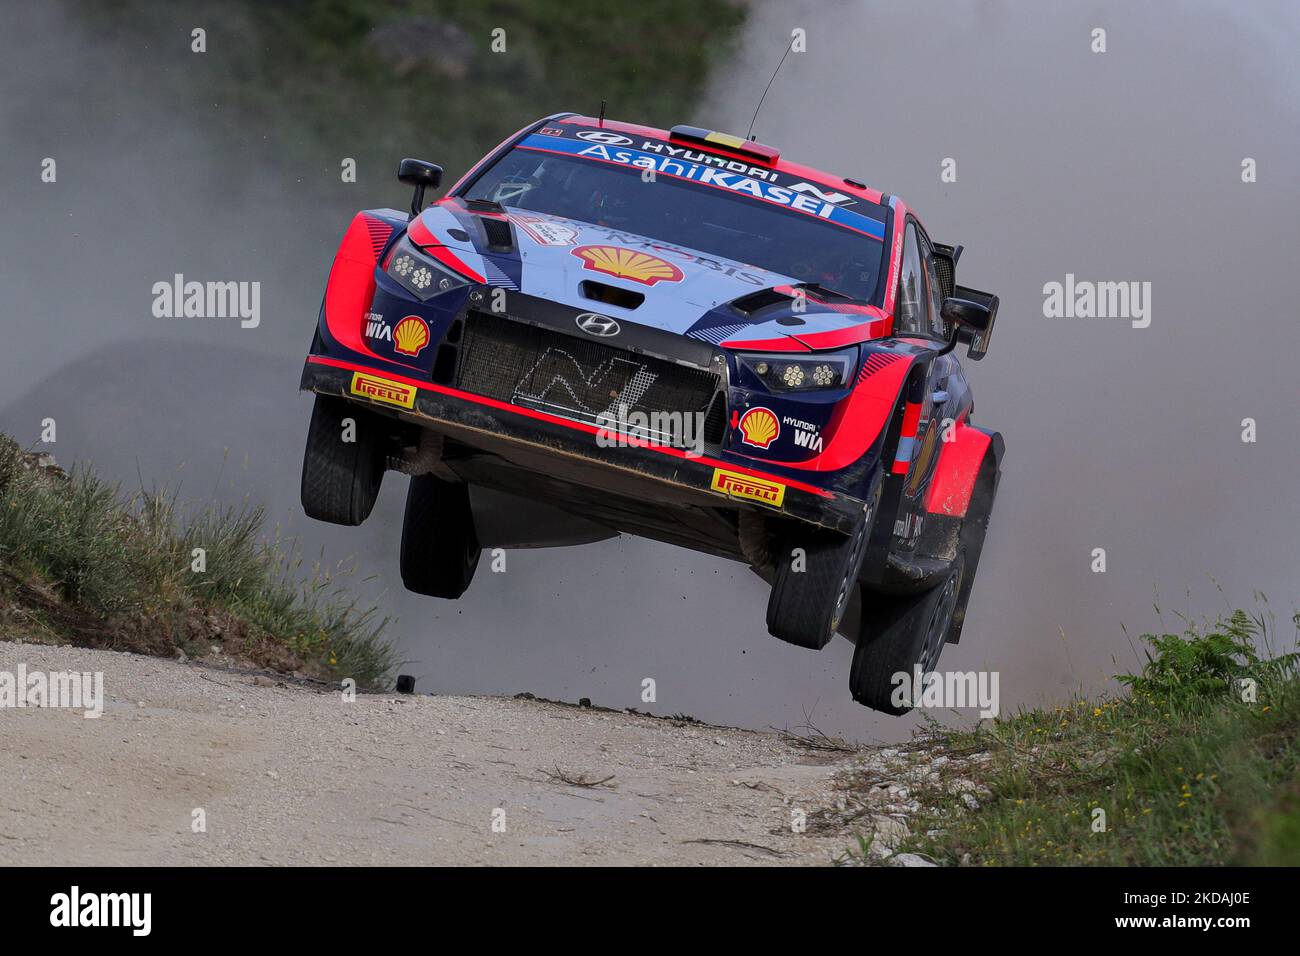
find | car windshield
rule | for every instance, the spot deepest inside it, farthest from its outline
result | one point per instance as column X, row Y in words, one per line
column 715, row 221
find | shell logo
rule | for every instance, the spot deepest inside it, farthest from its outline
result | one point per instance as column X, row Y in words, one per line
column 759, row 427
column 411, row 335
column 628, row 264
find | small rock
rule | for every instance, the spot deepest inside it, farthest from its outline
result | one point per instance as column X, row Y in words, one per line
column 273, row 775
column 909, row 859
column 889, row 832
column 1098, row 759
column 719, row 741
column 970, row 801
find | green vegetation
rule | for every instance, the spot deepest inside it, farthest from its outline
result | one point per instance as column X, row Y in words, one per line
column 1186, row 770
column 380, row 79
column 81, row 563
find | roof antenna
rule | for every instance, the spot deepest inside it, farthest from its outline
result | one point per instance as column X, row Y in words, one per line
column 750, row 134
column 601, row 121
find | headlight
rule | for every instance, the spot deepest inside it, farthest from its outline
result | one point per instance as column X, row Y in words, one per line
column 418, row 274
column 803, row 373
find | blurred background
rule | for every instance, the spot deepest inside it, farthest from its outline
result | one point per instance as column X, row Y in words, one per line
column 1115, row 166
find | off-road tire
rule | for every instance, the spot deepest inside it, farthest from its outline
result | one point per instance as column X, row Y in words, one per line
column 811, row 592
column 440, row 549
column 340, row 479
column 899, row 632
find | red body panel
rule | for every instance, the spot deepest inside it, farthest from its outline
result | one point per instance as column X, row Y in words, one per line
column 860, row 418
column 351, row 284
column 959, row 465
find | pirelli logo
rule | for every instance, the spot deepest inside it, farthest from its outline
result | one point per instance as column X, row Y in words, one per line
column 382, row 390
column 735, row 485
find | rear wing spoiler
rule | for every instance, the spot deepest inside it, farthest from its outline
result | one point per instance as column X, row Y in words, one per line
column 945, row 265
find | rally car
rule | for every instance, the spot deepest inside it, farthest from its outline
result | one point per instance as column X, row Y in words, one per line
column 605, row 328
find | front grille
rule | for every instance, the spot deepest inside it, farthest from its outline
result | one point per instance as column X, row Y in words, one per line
column 584, row 380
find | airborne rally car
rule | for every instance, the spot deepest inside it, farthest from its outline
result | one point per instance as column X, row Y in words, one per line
column 604, row 328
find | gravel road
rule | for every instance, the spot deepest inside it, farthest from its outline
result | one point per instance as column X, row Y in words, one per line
column 289, row 773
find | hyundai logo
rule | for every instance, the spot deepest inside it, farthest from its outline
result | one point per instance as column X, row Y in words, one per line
column 593, row 323
column 602, row 136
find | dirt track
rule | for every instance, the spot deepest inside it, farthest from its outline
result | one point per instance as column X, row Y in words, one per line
column 290, row 774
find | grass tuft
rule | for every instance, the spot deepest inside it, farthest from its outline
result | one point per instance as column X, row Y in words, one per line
column 1198, row 764
column 162, row 577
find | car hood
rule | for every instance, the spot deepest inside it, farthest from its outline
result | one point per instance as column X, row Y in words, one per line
column 665, row 286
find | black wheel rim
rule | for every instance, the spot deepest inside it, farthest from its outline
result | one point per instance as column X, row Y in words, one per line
column 856, row 549
column 937, row 630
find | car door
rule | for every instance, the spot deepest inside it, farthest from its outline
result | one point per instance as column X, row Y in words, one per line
column 950, row 392
column 918, row 320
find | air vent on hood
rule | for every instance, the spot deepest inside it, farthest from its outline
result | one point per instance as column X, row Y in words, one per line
column 498, row 232
column 610, row 294
column 756, row 301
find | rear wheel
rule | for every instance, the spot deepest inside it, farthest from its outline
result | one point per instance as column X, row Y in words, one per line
column 343, row 464
column 898, row 634
column 440, row 548
column 816, row 572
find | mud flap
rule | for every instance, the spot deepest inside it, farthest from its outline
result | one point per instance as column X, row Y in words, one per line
column 975, row 526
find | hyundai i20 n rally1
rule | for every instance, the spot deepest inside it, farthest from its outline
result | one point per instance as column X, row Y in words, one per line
column 605, row 328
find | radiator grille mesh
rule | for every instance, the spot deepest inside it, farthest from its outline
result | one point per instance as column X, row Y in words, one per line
column 585, row 380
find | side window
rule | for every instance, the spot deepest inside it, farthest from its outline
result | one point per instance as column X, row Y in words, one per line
column 934, row 291
column 909, row 310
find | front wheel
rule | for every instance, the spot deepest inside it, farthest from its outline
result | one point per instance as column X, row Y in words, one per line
column 344, row 461
column 816, row 572
column 899, row 634
column 440, row 548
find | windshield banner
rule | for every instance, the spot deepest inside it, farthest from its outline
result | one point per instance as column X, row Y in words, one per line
column 802, row 197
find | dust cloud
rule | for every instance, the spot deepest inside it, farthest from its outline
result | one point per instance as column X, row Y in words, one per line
column 1117, row 166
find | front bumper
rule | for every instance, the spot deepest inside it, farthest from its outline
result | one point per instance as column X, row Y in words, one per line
column 554, row 445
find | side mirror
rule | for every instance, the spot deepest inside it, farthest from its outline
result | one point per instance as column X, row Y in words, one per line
column 966, row 313
column 972, row 315
column 420, row 175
